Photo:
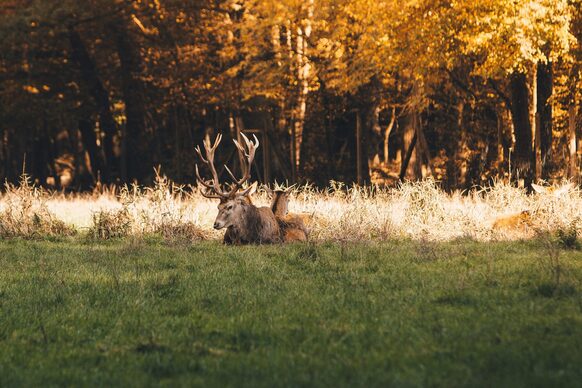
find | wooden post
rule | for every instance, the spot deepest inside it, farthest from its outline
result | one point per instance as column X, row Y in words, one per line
column 358, row 148
column 573, row 171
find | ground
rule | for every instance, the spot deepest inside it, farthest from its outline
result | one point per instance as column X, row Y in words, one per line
column 141, row 312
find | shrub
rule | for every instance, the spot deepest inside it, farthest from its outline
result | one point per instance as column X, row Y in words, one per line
column 568, row 236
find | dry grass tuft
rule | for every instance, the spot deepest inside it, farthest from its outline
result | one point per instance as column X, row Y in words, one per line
column 24, row 213
column 159, row 210
column 108, row 224
column 182, row 232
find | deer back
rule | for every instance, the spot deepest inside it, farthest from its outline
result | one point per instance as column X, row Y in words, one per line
column 293, row 228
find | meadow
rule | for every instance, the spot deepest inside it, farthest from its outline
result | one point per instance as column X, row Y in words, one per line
column 399, row 287
column 399, row 313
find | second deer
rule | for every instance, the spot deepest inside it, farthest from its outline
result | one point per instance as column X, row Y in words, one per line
column 292, row 226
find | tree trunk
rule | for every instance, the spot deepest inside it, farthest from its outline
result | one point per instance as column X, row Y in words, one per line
column 522, row 156
column 410, row 140
column 545, row 80
column 573, row 170
column 455, row 147
column 423, row 151
column 2, row 155
column 83, row 178
column 41, row 155
column 376, row 140
column 90, row 79
column 138, row 153
column 89, row 141
column 387, row 133
column 303, row 74
column 411, row 167
column 533, row 119
column 367, row 103
column 52, row 157
column 500, row 145
column 359, row 163
column 315, row 165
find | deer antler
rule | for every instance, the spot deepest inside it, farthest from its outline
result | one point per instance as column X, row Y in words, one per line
column 247, row 154
column 214, row 184
column 213, row 189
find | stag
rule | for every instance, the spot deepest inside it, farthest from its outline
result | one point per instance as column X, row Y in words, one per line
column 291, row 225
column 244, row 222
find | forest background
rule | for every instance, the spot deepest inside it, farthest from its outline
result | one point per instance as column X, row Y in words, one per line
column 465, row 91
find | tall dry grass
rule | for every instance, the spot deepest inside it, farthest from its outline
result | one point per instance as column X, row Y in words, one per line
column 24, row 212
column 418, row 210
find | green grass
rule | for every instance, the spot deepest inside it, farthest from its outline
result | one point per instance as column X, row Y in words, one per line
column 402, row 313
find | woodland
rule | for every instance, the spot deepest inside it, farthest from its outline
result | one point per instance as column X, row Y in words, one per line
column 468, row 92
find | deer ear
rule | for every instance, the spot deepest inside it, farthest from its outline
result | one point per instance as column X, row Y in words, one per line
column 249, row 190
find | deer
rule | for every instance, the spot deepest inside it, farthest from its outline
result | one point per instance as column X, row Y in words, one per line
column 291, row 225
column 244, row 222
column 517, row 221
column 523, row 219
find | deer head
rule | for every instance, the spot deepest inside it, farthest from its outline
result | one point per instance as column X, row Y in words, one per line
column 280, row 201
column 234, row 202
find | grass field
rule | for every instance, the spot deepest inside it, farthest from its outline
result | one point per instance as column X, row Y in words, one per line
column 141, row 312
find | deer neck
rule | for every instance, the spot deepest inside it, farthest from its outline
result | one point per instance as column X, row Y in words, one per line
column 249, row 223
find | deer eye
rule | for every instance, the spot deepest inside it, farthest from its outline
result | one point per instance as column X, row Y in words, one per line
column 229, row 207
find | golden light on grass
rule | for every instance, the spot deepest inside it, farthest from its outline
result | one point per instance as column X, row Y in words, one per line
column 417, row 210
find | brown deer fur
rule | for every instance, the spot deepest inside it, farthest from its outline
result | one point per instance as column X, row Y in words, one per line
column 246, row 223
column 513, row 222
column 280, row 203
column 292, row 226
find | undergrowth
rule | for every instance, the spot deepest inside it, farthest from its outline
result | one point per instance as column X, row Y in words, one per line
column 417, row 210
column 156, row 210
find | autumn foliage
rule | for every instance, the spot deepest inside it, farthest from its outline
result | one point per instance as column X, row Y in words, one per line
column 466, row 91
